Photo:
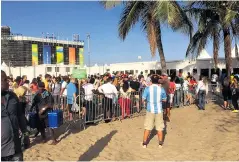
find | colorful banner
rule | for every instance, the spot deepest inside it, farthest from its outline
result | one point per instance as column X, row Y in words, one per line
column 34, row 54
column 59, row 54
column 72, row 56
column 46, row 54
column 81, row 57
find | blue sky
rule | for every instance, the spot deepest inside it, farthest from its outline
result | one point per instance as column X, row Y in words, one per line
column 33, row 18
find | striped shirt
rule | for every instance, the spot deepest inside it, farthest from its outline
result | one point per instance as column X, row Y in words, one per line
column 154, row 95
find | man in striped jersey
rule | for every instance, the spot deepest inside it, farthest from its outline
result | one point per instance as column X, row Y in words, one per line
column 154, row 95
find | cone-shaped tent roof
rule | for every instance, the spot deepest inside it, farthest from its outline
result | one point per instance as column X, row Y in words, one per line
column 234, row 51
column 204, row 55
column 4, row 66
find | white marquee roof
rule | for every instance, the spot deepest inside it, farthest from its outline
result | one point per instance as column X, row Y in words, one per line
column 204, row 55
column 234, row 51
column 4, row 66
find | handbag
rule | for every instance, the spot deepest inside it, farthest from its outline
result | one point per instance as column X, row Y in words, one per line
column 75, row 107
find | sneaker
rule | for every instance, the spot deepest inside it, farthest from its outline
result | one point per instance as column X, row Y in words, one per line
column 235, row 111
column 144, row 146
column 160, row 144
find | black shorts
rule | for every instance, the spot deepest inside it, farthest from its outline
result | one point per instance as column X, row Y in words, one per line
column 227, row 94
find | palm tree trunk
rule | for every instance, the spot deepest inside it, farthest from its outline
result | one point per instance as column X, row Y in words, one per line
column 160, row 48
column 215, row 48
column 227, row 49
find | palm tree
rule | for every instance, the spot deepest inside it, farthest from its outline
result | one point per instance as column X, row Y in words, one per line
column 215, row 20
column 151, row 15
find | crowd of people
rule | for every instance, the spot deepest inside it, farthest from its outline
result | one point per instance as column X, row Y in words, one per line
column 125, row 90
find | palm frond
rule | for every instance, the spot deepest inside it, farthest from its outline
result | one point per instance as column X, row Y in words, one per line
column 200, row 39
column 184, row 24
column 193, row 45
column 229, row 17
column 129, row 17
column 202, row 44
column 110, row 4
column 172, row 14
column 151, row 34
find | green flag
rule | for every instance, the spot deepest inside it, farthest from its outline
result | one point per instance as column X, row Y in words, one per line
column 79, row 73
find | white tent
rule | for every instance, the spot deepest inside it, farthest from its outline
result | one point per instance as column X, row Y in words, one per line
column 204, row 55
column 4, row 67
column 234, row 51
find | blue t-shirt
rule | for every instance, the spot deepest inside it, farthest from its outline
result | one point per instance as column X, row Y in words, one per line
column 71, row 89
column 154, row 95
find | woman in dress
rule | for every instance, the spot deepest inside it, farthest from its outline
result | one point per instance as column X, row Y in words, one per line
column 124, row 100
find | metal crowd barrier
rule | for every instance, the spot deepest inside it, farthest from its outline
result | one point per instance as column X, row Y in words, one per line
column 96, row 108
column 214, row 94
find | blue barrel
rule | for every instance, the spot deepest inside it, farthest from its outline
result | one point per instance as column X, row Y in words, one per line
column 55, row 118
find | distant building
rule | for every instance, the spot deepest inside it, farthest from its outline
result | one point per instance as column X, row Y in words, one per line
column 203, row 65
column 19, row 51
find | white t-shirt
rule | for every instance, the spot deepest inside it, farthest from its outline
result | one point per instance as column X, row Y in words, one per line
column 185, row 85
column 64, row 84
column 178, row 86
column 202, row 86
column 109, row 90
column 214, row 78
column 88, row 91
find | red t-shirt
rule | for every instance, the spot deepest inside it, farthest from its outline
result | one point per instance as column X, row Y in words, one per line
column 172, row 87
column 192, row 84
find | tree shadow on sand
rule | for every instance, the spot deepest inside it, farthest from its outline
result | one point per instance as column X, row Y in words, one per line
column 95, row 150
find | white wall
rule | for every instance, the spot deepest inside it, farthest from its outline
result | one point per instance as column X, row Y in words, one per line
column 186, row 65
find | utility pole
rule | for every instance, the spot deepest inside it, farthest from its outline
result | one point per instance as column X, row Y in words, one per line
column 88, row 37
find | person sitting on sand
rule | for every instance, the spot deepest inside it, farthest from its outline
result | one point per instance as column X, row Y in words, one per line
column 154, row 95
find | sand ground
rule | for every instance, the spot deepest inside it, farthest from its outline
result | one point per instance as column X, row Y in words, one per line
column 212, row 134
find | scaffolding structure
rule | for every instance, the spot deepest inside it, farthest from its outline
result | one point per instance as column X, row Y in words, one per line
column 17, row 50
